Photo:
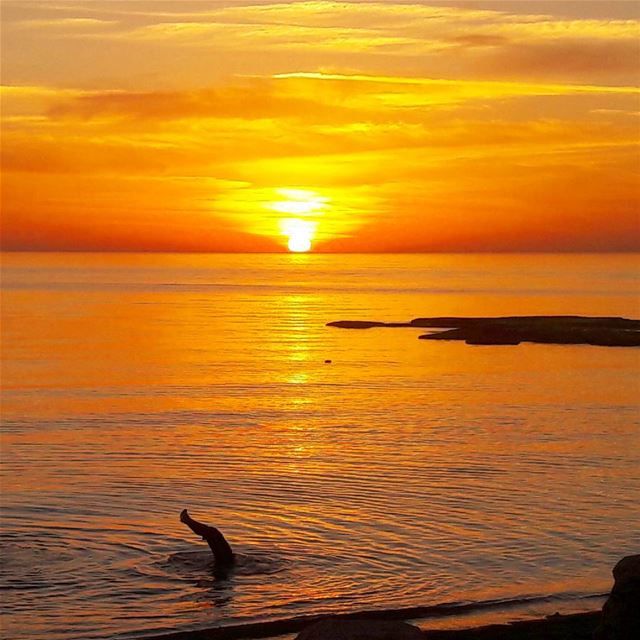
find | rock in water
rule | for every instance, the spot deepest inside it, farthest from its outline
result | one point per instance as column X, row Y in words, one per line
column 621, row 611
column 510, row 330
column 355, row 324
column 336, row 629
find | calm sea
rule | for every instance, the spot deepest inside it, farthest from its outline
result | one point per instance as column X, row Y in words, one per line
column 403, row 473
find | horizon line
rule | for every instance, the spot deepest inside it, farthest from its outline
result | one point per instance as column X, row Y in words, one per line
column 336, row 253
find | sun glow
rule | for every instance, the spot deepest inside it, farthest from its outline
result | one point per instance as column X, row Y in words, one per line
column 309, row 206
column 299, row 233
column 299, row 202
column 299, row 244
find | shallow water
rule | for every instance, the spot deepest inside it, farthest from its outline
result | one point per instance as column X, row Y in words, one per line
column 403, row 473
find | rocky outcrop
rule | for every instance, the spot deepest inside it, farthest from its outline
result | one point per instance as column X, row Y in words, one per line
column 621, row 611
column 512, row 330
column 336, row 629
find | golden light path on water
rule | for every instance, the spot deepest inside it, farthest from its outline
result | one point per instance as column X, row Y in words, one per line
column 403, row 473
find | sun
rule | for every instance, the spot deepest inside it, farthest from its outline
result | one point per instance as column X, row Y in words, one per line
column 299, row 233
column 299, row 243
column 305, row 208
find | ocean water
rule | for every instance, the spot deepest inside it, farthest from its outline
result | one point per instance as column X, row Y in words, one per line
column 403, row 473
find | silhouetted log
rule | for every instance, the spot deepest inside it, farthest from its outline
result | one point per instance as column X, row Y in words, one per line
column 621, row 611
column 335, row 629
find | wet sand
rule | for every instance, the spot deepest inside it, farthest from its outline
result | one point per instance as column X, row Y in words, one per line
column 579, row 626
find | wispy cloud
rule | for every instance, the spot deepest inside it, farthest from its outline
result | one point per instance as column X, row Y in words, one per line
column 84, row 24
column 492, row 42
column 468, row 88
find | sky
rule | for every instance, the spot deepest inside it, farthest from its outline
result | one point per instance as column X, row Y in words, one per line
column 388, row 126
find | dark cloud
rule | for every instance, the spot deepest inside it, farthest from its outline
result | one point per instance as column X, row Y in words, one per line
column 259, row 100
column 612, row 61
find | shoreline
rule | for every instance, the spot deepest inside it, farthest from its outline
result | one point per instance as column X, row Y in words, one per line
column 572, row 626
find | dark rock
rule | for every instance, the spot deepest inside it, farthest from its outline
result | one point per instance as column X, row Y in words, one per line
column 621, row 611
column 355, row 324
column 336, row 629
column 512, row 330
column 529, row 321
column 478, row 335
column 327, row 361
column 514, row 334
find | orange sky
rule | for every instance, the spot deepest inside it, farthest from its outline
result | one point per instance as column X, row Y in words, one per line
column 358, row 126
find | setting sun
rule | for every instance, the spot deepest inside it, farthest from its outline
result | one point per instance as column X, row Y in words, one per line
column 299, row 233
column 309, row 206
column 299, row 244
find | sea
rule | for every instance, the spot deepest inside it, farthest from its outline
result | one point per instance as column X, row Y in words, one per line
column 351, row 470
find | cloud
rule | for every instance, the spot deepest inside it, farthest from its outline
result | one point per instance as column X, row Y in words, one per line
column 299, row 116
column 29, row 91
column 247, row 36
column 575, row 58
column 248, row 99
column 474, row 40
column 391, row 28
column 83, row 24
column 182, row 45
column 459, row 90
